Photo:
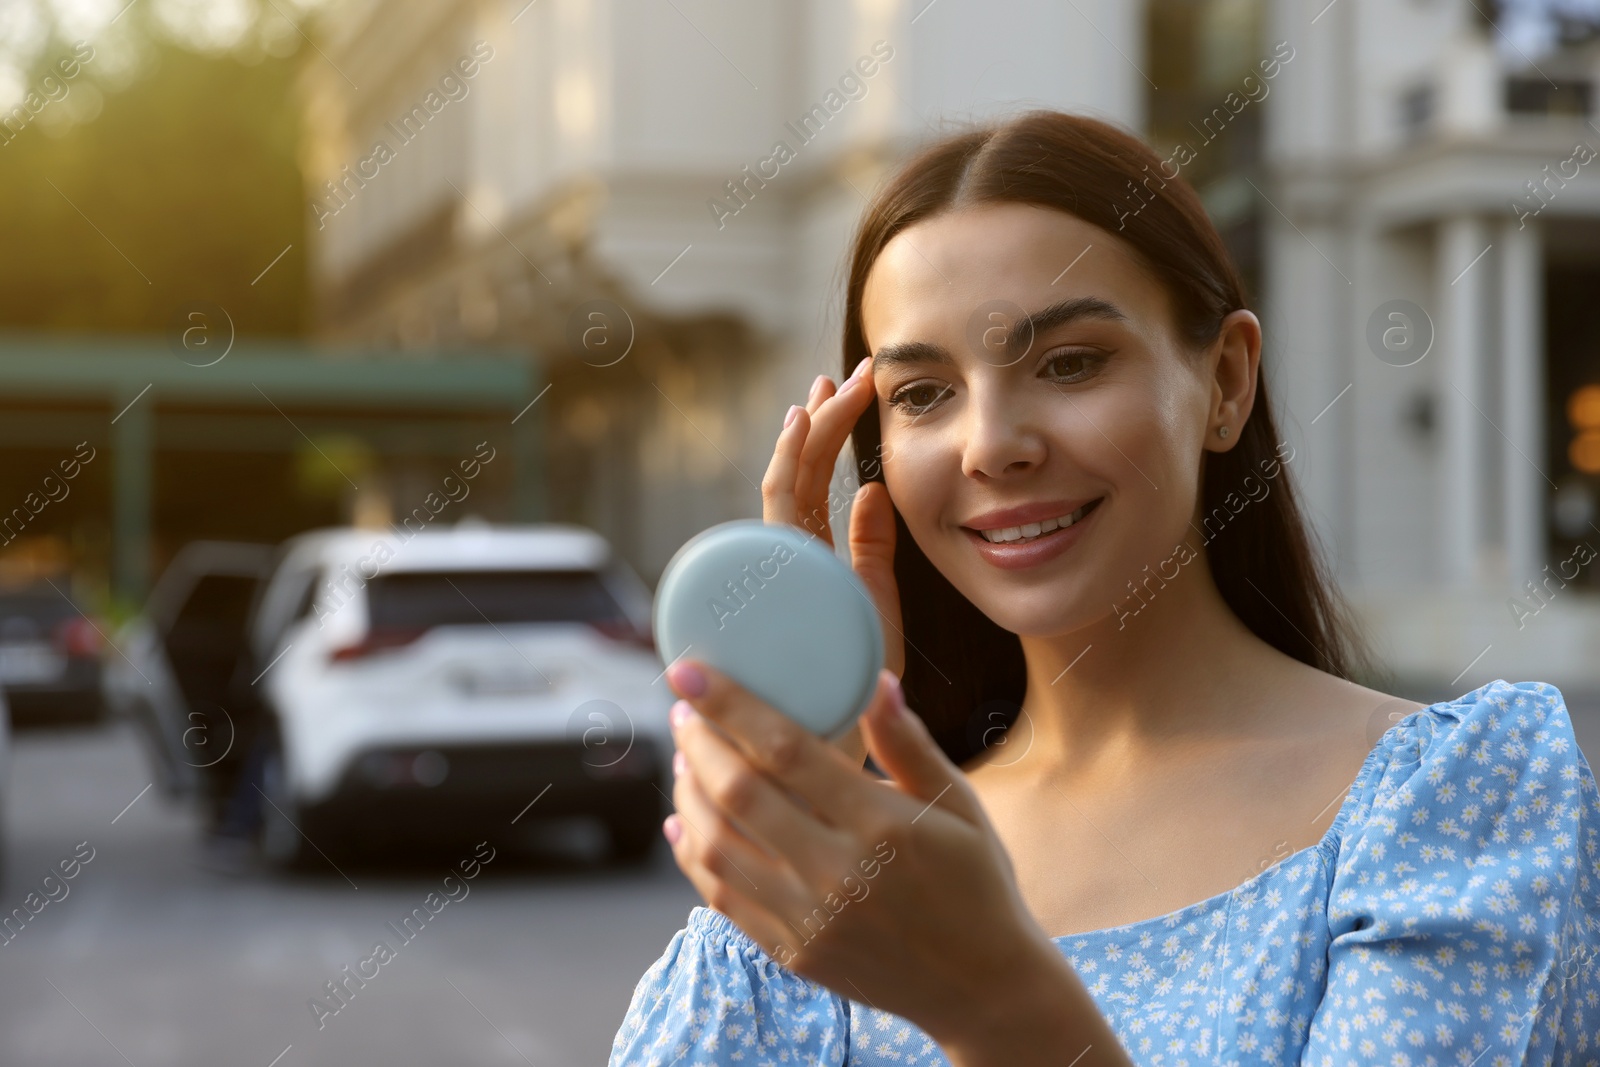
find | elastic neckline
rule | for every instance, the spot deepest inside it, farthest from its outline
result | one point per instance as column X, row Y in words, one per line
column 717, row 928
column 1327, row 846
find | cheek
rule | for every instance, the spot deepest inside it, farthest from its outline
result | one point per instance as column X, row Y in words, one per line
column 1155, row 427
column 910, row 473
column 921, row 470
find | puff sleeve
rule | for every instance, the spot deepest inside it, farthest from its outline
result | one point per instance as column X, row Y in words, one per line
column 1464, row 910
column 715, row 997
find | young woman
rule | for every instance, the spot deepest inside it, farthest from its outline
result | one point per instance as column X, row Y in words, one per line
column 1136, row 810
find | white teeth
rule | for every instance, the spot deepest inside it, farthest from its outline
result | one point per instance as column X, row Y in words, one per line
column 1029, row 530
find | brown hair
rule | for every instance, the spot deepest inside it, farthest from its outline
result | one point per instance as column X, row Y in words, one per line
column 964, row 674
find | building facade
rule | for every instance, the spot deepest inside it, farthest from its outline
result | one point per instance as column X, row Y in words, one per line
column 655, row 198
column 1433, row 250
column 656, row 201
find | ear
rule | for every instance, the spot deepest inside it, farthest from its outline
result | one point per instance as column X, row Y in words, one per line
column 1235, row 359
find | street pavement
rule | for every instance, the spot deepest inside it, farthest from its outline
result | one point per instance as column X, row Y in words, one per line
column 151, row 959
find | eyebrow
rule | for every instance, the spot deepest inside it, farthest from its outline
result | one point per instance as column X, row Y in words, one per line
column 1029, row 326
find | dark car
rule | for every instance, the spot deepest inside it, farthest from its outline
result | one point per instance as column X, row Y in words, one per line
column 50, row 656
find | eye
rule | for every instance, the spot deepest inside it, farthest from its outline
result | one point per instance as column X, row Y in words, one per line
column 916, row 398
column 1073, row 366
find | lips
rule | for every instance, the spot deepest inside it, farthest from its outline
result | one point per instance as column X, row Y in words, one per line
column 1030, row 551
column 1028, row 530
column 1026, row 513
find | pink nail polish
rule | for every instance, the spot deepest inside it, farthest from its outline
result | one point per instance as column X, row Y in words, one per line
column 794, row 409
column 687, row 680
column 679, row 713
column 857, row 376
column 672, row 829
column 897, row 696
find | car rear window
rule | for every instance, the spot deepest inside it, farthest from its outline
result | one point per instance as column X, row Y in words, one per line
column 30, row 615
column 416, row 599
column 47, row 606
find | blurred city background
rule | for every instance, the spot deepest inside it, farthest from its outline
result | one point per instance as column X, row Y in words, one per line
column 374, row 356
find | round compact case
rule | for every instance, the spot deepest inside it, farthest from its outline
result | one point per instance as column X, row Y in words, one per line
column 773, row 608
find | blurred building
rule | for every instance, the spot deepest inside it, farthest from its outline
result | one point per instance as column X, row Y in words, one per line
column 598, row 178
column 602, row 183
column 1433, row 251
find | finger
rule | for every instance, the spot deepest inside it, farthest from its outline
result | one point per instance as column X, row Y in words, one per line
column 719, row 849
column 753, row 802
column 853, row 745
column 821, row 389
column 775, row 744
column 872, row 536
column 778, row 503
column 902, row 746
column 748, row 914
column 829, row 427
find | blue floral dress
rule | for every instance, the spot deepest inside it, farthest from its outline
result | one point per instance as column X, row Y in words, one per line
column 1450, row 916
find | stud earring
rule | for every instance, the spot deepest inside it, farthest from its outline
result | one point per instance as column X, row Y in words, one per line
column 1222, row 431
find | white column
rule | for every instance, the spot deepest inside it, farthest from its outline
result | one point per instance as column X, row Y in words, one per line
column 1461, row 284
column 1522, row 391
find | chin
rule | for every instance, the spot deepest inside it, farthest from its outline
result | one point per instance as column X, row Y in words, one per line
column 1054, row 610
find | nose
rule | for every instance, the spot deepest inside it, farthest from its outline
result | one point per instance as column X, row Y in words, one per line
column 1000, row 435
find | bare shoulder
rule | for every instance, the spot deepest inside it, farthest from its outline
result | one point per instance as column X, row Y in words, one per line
column 1343, row 704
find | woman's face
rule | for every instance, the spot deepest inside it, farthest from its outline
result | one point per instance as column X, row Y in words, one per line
column 1098, row 412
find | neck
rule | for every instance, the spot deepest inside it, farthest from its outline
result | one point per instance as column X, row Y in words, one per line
column 1170, row 666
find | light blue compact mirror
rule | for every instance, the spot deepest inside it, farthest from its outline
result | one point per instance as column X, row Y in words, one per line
column 772, row 607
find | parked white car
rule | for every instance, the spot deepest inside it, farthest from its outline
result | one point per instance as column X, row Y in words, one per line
column 450, row 680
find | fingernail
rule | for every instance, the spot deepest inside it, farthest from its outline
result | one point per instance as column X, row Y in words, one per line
column 680, row 713
column 686, row 680
column 897, row 695
column 816, row 386
column 680, row 763
column 794, row 409
column 856, row 376
column 672, row 829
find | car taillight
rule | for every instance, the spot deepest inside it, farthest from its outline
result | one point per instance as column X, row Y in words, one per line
column 625, row 631
column 376, row 641
column 77, row 637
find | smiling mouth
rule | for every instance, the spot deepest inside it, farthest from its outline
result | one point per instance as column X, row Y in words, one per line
column 1032, row 531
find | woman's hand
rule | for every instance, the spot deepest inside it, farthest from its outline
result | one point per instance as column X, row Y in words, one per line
column 795, row 492
column 895, row 893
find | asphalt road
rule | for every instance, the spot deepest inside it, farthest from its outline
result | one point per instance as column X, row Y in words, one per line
column 154, row 960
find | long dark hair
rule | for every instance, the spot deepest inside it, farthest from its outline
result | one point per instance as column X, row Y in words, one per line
column 964, row 673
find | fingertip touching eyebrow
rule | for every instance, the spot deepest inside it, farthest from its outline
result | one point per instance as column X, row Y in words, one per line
column 1020, row 336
